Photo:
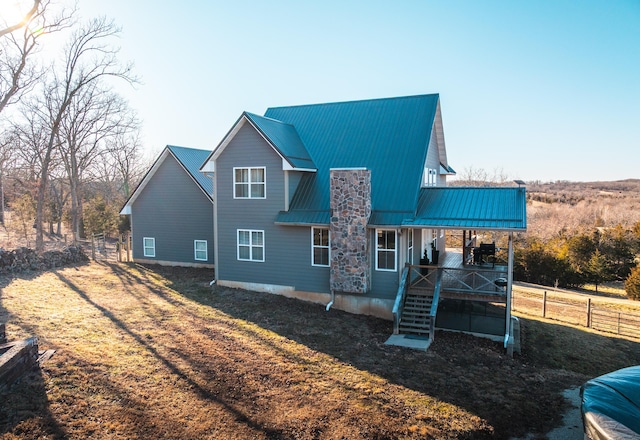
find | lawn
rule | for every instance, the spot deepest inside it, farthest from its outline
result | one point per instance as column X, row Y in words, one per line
column 152, row 352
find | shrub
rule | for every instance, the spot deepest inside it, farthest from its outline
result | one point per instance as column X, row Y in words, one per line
column 632, row 284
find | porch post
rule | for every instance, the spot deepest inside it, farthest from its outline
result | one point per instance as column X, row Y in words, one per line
column 508, row 342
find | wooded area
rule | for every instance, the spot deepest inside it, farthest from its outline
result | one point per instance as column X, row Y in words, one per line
column 68, row 141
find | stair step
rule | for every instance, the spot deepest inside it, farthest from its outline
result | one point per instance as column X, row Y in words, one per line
column 420, row 315
column 415, row 331
column 421, row 303
column 423, row 306
column 415, row 320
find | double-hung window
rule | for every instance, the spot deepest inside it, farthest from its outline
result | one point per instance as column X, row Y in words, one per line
column 430, row 177
column 200, row 250
column 250, row 245
column 249, row 183
column 149, row 246
column 320, row 247
column 386, row 250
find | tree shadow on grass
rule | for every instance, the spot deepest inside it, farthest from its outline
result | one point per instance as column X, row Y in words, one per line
column 25, row 408
column 515, row 396
column 170, row 363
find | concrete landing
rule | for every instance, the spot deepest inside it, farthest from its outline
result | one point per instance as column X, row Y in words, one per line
column 409, row 341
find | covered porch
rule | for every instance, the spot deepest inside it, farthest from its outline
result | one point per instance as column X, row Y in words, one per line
column 468, row 289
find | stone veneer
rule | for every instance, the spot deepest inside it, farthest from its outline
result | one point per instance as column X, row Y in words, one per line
column 350, row 211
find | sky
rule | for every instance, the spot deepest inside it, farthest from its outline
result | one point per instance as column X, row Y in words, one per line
column 542, row 90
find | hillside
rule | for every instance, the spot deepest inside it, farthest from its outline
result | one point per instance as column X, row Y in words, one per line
column 566, row 205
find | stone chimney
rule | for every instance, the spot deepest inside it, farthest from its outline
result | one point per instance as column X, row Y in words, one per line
column 350, row 211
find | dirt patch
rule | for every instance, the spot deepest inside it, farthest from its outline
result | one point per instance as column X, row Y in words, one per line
column 153, row 352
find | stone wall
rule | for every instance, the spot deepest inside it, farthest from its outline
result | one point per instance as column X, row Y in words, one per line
column 25, row 259
column 350, row 211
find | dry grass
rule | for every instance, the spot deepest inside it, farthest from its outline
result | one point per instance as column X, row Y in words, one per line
column 155, row 353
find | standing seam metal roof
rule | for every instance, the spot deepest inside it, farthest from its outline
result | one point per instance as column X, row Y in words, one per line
column 191, row 159
column 389, row 136
column 502, row 208
column 285, row 139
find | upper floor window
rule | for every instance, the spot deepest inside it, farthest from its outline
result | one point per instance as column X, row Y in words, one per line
column 149, row 245
column 200, row 250
column 249, row 183
column 250, row 245
column 430, row 177
column 320, row 247
column 386, row 250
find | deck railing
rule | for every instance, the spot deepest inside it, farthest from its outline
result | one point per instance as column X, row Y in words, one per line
column 473, row 280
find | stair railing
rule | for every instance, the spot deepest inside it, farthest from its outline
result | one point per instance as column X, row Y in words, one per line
column 398, row 306
column 434, row 305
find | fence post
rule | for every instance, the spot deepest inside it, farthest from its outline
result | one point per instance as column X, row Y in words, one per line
column 544, row 304
column 588, row 312
column 93, row 248
column 618, row 322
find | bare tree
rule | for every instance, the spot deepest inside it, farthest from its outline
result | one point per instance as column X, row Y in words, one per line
column 27, row 17
column 123, row 164
column 471, row 176
column 95, row 116
column 19, row 73
column 88, row 59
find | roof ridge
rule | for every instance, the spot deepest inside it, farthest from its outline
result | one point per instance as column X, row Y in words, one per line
column 391, row 98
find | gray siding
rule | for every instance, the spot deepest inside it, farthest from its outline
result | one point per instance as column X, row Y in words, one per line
column 173, row 210
column 384, row 284
column 287, row 248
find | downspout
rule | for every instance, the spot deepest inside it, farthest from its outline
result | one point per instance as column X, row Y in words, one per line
column 333, row 298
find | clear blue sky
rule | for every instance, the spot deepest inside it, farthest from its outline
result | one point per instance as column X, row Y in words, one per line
column 544, row 90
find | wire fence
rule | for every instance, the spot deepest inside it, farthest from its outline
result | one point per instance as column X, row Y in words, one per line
column 577, row 311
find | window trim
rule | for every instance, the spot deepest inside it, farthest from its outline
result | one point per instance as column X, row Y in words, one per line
column 314, row 247
column 195, row 250
column 145, row 247
column 410, row 238
column 250, row 245
column 249, row 182
column 394, row 250
column 430, row 177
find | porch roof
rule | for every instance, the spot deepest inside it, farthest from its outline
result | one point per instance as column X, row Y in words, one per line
column 500, row 208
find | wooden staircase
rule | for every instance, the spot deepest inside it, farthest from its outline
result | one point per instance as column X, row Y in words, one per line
column 414, row 311
column 416, row 314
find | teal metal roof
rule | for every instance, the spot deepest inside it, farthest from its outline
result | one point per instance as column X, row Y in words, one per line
column 389, row 136
column 502, row 208
column 285, row 139
column 191, row 159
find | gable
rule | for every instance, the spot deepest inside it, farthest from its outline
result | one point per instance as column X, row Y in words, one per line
column 281, row 137
column 188, row 160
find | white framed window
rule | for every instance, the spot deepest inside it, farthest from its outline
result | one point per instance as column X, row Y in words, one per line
column 320, row 247
column 249, row 183
column 386, row 250
column 250, row 245
column 200, row 250
column 430, row 177
column 410, row 246
column 149, row 246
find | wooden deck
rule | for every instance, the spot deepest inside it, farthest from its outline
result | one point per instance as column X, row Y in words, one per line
column 476, row 282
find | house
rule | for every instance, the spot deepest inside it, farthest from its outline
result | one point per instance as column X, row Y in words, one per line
column 172, row 211
column 339, row 203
